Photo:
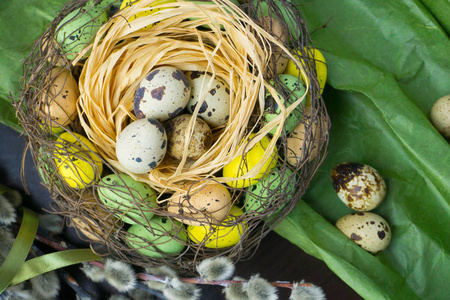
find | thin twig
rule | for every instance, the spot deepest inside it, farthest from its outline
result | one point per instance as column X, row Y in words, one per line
column 144, row 276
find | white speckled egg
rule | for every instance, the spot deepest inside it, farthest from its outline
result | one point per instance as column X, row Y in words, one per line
column 142, row 145
column 368, row 230
column 162, row 94
column 359, row 186
column 440, row 116
column 215, row 110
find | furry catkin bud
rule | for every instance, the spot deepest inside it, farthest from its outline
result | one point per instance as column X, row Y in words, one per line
column 304, row 292
column 120, row 275
column 235, row 291
column 258, row 288
column 118, row 297
column 217, row 268
column 93, row 272
column 14, row 197
column 139, row 294
column 52, row 223
column 46, row 285
column 7, row 211
column 178, row 290
column 160, row 271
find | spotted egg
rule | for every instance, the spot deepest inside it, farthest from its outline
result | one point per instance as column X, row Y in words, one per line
column 368, row 230
column 163, row 237
column 162, row 94
column 294, row 89
column 202, row 203
column 215, row 109
column 279, row 59
column 199, row 142
column 305, row 140
column 78, row 29
column 141, row 146
column 359, row 186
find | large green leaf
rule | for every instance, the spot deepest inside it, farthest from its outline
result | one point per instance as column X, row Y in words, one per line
column 388, row 62
column 21, row 22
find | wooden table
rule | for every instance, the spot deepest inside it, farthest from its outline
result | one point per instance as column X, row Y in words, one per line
column 275, row 259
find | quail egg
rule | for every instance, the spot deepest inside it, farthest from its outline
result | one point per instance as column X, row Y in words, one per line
column 141, row 146
column 215, row 109
column 359, row 186
column 368, row 230
column 162, row 94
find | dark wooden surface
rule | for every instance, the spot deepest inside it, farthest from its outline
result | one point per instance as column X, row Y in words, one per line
column 275, row 259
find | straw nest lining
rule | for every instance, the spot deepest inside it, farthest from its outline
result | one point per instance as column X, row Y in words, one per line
column 233, row 47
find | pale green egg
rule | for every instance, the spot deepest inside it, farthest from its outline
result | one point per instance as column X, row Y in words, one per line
column 164, row 236
column 77, row 30
column 131, row 200
column 295, row 89
column 260, row 196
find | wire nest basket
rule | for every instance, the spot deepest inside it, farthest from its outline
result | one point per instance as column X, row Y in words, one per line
column 219, row 172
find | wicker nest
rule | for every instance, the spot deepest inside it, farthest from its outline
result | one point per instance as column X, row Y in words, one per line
column 243, row 48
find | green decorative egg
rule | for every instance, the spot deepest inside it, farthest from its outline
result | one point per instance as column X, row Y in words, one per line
column 295, row 89
column 260, row 195
column 164, row 236
column 120, row 192
column 77, row 29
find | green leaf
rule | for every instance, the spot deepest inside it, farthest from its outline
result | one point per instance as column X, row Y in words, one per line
column 21, row 22
column 388, row 62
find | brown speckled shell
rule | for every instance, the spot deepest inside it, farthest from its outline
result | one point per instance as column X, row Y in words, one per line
column 176, row 131
column 368, row 230
column 205, row 203
column 359, row 186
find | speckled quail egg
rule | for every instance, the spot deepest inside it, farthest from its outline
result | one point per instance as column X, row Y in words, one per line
column 440, row 116
column 296, row 139
column 59, row 103
column 162, row 94
column 199, row 143
column 276, row 29
column 203, row 203
column 215, row 109
column 359, row 186
column 142, row 145
column 368, row 230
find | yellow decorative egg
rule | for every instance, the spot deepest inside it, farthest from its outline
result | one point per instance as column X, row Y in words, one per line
column 127, row 3
column 219, row 236
column 77, row 161
column 320, row 63
column 239, row 167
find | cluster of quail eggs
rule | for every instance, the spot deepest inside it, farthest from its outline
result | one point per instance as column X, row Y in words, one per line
column 176, row 113
column 163, row 103
column 362, row 189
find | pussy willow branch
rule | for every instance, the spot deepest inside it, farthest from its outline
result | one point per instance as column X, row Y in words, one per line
column 61, row 246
